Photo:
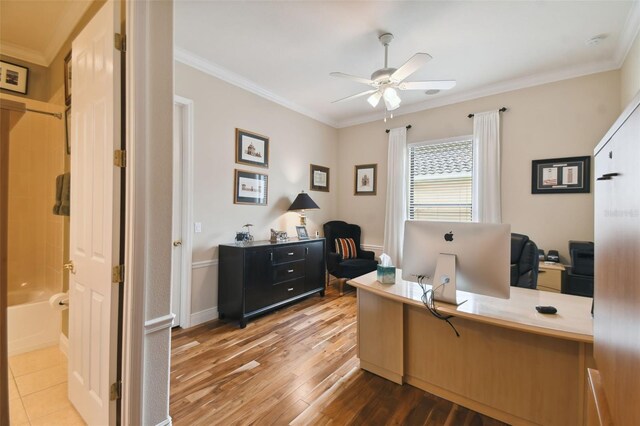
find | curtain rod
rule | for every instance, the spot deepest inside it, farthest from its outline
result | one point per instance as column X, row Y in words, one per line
column 408, row 127
column 503, row 109
column 57, row 115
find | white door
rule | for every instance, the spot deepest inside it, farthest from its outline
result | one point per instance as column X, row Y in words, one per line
column 176, row 254
column 95, row 217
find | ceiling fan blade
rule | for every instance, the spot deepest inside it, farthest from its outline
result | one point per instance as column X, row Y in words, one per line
column 351, row 77
column 357, row 95
column 427, row 85
column 411, row 66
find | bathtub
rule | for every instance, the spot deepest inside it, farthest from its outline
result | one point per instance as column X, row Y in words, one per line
column 31, row 323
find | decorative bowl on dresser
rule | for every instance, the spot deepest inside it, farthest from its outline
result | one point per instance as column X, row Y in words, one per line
column 260, row 276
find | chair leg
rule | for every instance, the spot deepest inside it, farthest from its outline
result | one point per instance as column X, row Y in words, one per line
column 341, row 283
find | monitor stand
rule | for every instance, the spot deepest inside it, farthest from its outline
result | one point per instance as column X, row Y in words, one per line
column 444, row 281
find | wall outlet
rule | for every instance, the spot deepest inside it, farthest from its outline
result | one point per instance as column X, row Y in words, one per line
column 197, row 227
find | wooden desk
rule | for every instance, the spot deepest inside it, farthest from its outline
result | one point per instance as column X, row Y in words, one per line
column 550, row 276
column 510, row 362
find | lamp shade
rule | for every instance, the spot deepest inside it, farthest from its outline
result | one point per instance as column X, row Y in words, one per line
column 303, row 202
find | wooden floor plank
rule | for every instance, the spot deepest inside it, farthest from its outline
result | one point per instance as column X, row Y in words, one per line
column 297, row 365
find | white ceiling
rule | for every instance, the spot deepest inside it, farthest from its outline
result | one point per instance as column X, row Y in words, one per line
column 35, row 30
column 285, row 51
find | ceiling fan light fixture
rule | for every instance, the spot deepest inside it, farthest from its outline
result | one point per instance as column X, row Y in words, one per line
column 374, row 99
column 391, row 98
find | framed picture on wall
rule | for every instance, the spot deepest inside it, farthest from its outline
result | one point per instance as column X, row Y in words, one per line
column 319, row 177
column 561, row 175
column 13, row 77
column 252, row 149
column 366, row 179
column 250, row 188
column 67, row 128
column 67, row 79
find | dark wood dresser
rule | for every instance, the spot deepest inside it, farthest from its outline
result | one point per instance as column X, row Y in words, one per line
column 259, row 276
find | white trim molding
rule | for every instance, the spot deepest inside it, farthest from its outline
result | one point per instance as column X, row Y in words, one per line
column 167, row 422
column 204, row 316
column 159, row 323
column 628, row 34
column 204, row 263
column 24, row 54
column 201, row 64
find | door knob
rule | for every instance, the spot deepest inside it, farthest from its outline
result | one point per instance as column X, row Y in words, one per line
column 69, row 266
column 177, row 243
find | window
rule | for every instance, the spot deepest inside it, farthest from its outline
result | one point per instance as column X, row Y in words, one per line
column 441, row 180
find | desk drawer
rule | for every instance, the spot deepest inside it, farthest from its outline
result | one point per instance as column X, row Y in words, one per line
column 288, row 271
column 288, row 254
column 550, row 280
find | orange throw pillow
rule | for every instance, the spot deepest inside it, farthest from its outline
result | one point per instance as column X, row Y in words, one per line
column 346, row 248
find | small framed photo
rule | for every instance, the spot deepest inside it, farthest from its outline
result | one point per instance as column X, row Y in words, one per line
column 302, row 232
column 319, row 177
column 252, row 149
column 366, row 179
column 250, row 188
column 67, row 128
column 67, row 79
column 13, row 77
column 561, row 175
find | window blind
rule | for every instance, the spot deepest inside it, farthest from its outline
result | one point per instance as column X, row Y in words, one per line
column 440, row 181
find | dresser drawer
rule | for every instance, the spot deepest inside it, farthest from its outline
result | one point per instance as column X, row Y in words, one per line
column 288, row 271
column 288, row 289
column 288, row 254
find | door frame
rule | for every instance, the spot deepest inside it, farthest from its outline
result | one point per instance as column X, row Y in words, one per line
column 147, row 288
column 186, row 107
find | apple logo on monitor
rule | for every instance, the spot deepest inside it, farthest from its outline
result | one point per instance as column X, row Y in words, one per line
column 448, row 236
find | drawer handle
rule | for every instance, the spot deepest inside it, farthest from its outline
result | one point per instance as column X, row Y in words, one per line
column 290, row 289
column 608, row 176
column 290, row 254
column 290, row 270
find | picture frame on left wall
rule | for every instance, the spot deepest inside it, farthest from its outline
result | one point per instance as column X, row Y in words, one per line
column 250, row 188
column 67, row 129
column 14, row 77
column 67, row 79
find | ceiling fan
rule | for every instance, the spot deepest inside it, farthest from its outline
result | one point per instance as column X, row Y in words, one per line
column 386, row 80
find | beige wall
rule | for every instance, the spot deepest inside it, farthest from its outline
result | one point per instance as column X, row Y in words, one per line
column 35, row 235
column 562, row 119
column 630, row 74
column 296, row 141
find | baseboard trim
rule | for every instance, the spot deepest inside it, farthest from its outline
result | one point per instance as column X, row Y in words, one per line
column 167, row 422
column 157, row 324
column 64, row 345
column 204, row 263
column 204, row 316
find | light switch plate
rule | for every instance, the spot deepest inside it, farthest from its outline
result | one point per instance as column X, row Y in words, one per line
column 197, row 227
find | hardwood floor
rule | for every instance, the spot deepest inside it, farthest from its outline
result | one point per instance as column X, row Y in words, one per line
column 294, row 366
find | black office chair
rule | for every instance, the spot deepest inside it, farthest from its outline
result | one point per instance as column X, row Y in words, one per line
column 345, row 269
column 579, row 280
column 524, row 262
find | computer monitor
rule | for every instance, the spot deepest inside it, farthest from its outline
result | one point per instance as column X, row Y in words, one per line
column 473, row 257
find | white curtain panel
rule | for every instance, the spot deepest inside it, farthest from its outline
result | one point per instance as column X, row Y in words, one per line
column 486, row 168
column 396, row 209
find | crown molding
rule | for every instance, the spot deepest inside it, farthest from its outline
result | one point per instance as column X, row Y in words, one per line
column 208, row 67
column 492, row 89
column 24, row 54
column 628, row 35
column 64, row 27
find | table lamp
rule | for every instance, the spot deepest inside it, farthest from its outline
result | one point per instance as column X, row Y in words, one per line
column 301, row 203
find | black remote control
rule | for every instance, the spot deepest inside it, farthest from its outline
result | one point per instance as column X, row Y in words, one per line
column 546, row 309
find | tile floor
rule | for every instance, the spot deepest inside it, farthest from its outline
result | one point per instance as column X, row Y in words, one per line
column 38, row 389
